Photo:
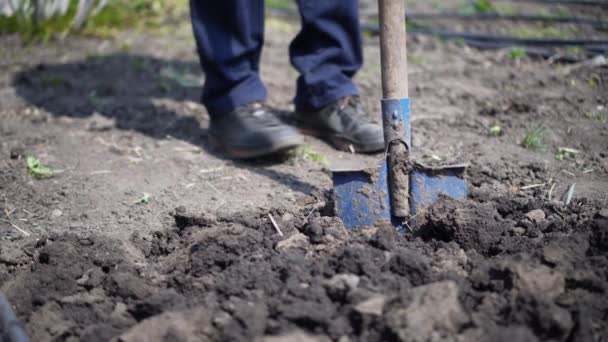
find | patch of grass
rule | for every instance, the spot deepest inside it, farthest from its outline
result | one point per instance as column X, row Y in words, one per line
column 460, row 42
column 144, row 199
column 280, row 25
column 517, row 53
column 306, row 153
column 539, row 31
column 600, row 115
column 495, row 131
column 573, row 50
column 565, row 153
column 477, row 6
column 594, row 80
column 115, row 16
column 280, row 4
column 39, row 171
column 534, row 139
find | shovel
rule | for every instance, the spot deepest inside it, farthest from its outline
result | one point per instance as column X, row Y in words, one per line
column 400, row 188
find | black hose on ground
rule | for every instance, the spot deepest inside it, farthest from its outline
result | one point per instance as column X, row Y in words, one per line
column 597, row 3
column 598, row 24
column 591, row 43
column 11, row 328
column 542, row 47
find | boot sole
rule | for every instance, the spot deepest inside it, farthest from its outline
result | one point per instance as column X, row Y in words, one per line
column 341, row 143
column 238, row 153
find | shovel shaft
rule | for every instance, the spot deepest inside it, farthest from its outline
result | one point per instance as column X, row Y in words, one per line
column 393, row 52
column 393, row 49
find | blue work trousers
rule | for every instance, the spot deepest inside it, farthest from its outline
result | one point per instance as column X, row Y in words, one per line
column 229, row 35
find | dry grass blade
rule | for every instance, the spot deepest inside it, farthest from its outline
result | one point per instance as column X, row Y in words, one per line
column 275, row 225
column 16, row 227
column 570, row 194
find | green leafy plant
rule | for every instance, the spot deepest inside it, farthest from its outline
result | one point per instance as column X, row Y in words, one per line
column 495, row 131
column 534, row 139
column 39, row 20
column 306, row 153
column 477, row 6
column 565, row 153
column 599, row 116
column 517, row 53
column 144, row 199
column 39, row 171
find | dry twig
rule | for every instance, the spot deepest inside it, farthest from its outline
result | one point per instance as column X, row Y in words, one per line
column 274, row 224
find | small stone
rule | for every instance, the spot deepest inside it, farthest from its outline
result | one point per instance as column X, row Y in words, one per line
column 297, row 240
column 17, row 152
column 603, row 213
column 536, row 215
column 372, row 306
column 518, row 230
column 56, row 213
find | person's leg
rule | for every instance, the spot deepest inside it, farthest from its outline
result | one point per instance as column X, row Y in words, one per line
column 327, row 52
column 229, row 36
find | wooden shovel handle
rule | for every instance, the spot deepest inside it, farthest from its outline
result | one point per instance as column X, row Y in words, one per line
column 393, row 50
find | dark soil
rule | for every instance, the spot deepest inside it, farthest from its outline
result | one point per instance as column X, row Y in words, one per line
column 480, row 271
column 202, row 262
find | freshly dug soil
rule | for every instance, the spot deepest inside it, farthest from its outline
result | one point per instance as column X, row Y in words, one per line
column 506, row 269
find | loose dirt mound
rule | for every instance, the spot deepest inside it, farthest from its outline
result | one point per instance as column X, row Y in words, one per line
column 478, row 271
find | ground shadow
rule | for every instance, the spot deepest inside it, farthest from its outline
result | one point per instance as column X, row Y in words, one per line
column 123, row 87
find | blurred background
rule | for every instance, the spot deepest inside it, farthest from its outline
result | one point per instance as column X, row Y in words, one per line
column 532, row 27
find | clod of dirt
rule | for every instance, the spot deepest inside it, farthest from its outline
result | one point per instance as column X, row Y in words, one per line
column 297, row 240
column 372, row 306
column 323, row 229
column 450, row 258
column 296, row 336
column 472, row 225
column 536, row 215
column 340, row 285
column 434, row 313
column 187, row 326
column 410, row 264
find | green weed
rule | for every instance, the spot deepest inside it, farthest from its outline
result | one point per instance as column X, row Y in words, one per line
column 144, row 199
column 565, row 153
column 573, row 50
column 115, row 16
column 495, row 131
column 477, row 6
column 280, row 4
column 39, row 171
column 599, row 116
column 306, row 153
column 517, row 52
column 534, row 139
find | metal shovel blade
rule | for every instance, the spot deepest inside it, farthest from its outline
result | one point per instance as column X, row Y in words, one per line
column 362, row 197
